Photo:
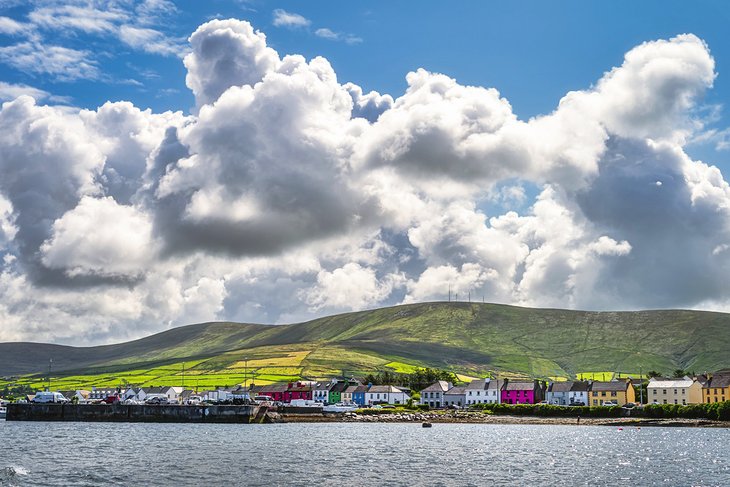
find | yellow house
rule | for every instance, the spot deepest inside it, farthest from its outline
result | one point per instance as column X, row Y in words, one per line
column 674, row 391
column 717, row 388
column 615, row 391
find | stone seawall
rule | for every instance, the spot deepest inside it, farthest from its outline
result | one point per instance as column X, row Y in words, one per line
column 142, row 413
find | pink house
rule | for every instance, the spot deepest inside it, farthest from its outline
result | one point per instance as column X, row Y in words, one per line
column 522, row 392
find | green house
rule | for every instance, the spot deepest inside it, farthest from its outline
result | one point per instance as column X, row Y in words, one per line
column 335, row 392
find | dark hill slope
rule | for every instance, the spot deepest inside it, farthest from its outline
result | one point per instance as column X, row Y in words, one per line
column 467, row 337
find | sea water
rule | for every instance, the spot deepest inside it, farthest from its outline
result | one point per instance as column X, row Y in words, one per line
column 354, row 454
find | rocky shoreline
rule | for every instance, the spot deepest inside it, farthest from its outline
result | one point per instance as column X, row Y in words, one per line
column 481, row 418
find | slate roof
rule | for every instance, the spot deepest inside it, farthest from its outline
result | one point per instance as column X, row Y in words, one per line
column 300, row 387
column 669, row 383
column 361, row 389
column 719, row 380
column 456, row 391
column 274, row 388
column 339, row 387
column 438, row 386
column 351, row 389
column 478, row 385
column 497, row 384
column 564, row 386
column 580, row 386
column 518, row 385
column 609, row 386
column 383, row 389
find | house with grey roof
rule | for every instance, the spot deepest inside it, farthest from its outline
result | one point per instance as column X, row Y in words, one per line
column 483, row 391
column 455, row 397
column 385, row 394
column 568, row 393
column 433, row 395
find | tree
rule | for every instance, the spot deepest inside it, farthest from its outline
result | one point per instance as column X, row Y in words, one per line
column 678, row 374
column 653, row 373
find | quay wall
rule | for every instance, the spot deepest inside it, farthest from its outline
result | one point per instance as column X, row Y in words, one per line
column 142, row 413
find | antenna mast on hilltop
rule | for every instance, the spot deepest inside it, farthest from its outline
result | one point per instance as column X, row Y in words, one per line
column 449, row 292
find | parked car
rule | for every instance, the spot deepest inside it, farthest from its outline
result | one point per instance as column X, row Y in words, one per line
column 579, row 403
column 112, row 399
column 156, row 399
column 629, row 405
column 610, row 403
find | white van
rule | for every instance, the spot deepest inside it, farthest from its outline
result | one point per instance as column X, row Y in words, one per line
column 46, row 397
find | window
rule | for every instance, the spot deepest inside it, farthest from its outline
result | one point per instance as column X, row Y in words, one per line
column 684, row 391
column 675, row 391
column 664, row 391
column 613, row 393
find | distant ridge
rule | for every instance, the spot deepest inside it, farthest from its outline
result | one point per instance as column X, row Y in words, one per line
column 469, row 338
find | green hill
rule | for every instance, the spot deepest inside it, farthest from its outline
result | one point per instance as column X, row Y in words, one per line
column 467, row 338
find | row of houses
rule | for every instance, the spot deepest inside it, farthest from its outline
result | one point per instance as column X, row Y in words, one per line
column 333, row 392
column 705, row 388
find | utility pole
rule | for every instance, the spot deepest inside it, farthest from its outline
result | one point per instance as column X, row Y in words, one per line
column 245, row 373
column 50, row 367
column 183, row 375
column 641, row 386
column 449, row 292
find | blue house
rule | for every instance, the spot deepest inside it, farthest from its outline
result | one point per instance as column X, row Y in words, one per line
column 358, row 395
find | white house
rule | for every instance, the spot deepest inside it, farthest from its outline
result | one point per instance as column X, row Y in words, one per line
column 101, row 393
column 674, row 391
column 567, row 393
column 483, row 391
column 433, row 395
column 385, row 394
column 321, row 390
column 455, row 396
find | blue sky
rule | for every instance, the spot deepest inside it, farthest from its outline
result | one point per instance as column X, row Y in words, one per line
column 533, row 52
column 157, row 177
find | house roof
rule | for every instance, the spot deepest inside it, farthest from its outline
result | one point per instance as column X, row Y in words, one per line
column 563, row 386
column 383, row 389
column 518, row 385
column 617, row 385
column 669, row 383
column 438, row 386
column 340, row 387
column 300, row 387
column 155, row 390
column 719, row 380
column 361, row 388
column 351, row 389
column 580, row 386
column 270, row 388
column 478, row 384
column 456, row 391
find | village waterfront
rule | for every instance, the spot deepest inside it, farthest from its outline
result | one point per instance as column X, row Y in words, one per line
column 81, row 454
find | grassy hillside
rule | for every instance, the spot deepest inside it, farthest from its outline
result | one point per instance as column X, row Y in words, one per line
column 470, row 339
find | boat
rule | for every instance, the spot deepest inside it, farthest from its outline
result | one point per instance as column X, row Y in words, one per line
column 340, row 407
column 3, row 412
column 426, row 424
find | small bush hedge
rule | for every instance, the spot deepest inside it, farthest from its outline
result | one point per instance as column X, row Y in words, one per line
column 716, row 411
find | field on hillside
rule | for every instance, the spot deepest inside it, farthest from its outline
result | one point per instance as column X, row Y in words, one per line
column 469, row 339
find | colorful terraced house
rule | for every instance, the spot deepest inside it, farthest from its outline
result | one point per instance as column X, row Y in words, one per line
column 523, row 392
column 615, row 392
